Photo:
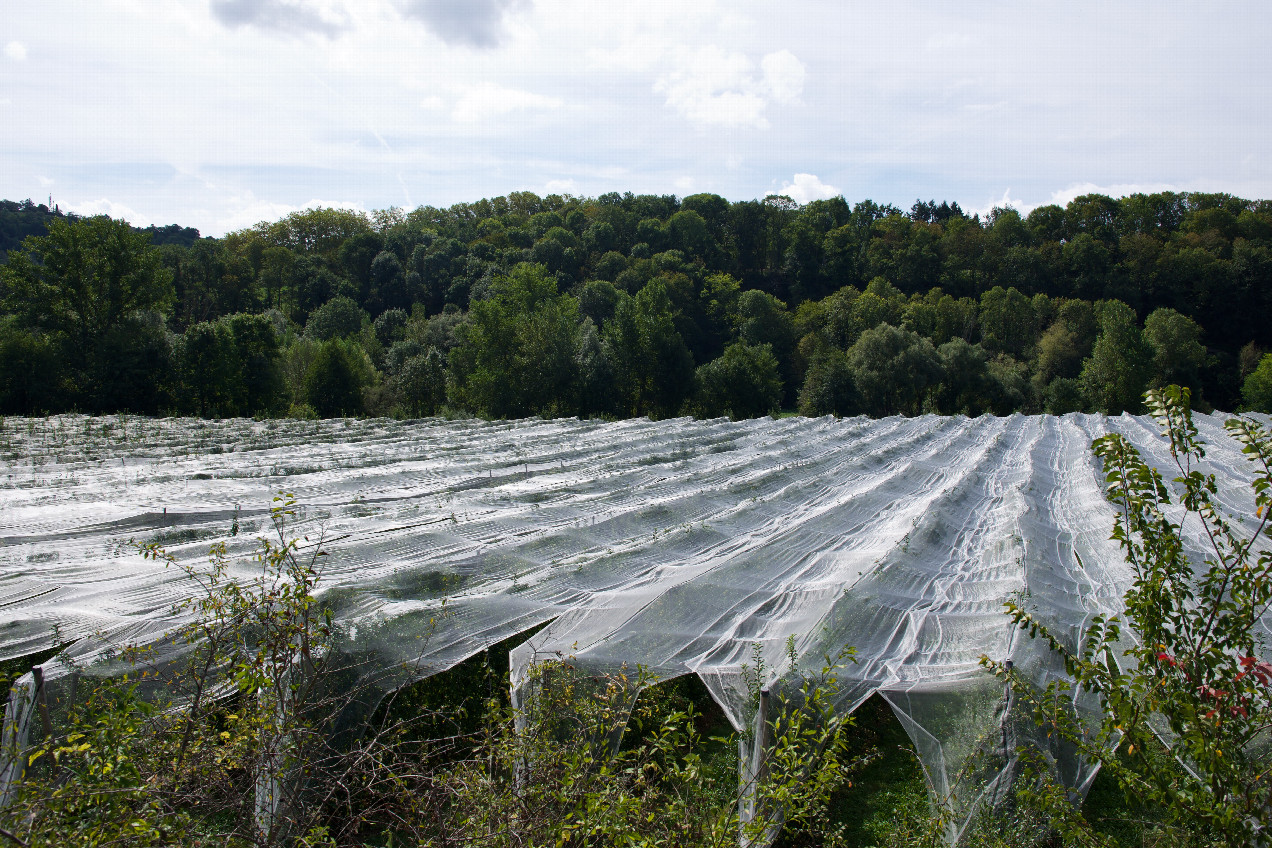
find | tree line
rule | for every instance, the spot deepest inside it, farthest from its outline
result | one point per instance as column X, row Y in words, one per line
column 627, row 305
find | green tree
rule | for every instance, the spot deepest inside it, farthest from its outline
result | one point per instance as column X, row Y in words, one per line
column 744, row 382
column 1256, row 391
column 84, row 278
column 317, row 232
column 420, row 383
column 828, row 387
column 597, row 301
column 356, row 257
column 965, row 382
column 338, row 318
column 719, row 295
column 1178, row 354
column 893, row 370
column 764, row 320
column 517, row 352
column 211, row 370
column 258, row 352
column 652, row 366
column 1007, row 321
column 1120, row 364
column 688, row 232
column 88, row 284
column 30, row 371
column 276, row 275
column 333, row 385
column 387, row 284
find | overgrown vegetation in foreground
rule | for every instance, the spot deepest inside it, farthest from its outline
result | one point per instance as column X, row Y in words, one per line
column 265, row 760
column 257, row 763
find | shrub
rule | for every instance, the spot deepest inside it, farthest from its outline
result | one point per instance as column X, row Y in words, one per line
column 1192, row 678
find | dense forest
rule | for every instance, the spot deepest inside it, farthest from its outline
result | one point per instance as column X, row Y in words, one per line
column 626, row 305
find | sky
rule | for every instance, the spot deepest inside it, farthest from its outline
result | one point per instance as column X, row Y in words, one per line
column 219, row 114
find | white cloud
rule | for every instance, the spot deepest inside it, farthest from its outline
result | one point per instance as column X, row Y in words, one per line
column 263, row 107
column 106, row 206
column 806, row 188
column 1064, row 196
column 15, row 50
column 714, row 87
column 489, row 100
column 1004, row 202
column 638, row 53
column 561, row 187
column 684, row 185
column 248, row 211
column 783, row 76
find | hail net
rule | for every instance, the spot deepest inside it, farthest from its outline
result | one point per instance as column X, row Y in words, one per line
column 681, row 546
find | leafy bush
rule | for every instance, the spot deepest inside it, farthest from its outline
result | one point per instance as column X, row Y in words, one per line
column 1181, row 667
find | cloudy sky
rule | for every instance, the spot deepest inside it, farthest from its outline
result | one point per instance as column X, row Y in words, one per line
column 221, row 113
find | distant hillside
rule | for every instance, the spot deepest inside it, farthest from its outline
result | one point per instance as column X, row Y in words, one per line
column 19, row 219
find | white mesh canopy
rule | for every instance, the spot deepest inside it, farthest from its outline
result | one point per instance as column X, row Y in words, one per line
column 676, row 545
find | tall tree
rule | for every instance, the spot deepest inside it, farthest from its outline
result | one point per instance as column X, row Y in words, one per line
column 1113, row 379
column 653, row 368
column 516, row 356
column 88, row 283
column 84, row 278
column 1178, row 354
column 893, row 369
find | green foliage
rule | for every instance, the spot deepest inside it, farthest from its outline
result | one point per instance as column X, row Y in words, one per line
column 743, row 383
column 1008, row 322
column 516, row 353
column 1119, row 368
column 1023, row 289
column 30, row 366
column 184, row 764
column 420, row 384
column 558, row 781
column 333, row 384
column 828, row 387
column 84, row 278
column 1257, row 389
column 892, row 369
column 89, row 285
column 338, row 318
column 1178, row 354
column 1182, row 663
column 653, row 368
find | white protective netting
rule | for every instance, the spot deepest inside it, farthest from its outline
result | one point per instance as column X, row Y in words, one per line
column 676, row 545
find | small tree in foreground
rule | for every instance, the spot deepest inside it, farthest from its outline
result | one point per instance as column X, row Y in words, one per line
column 1182, row 666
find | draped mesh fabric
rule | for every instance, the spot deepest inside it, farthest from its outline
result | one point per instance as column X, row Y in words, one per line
column 679, row 546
